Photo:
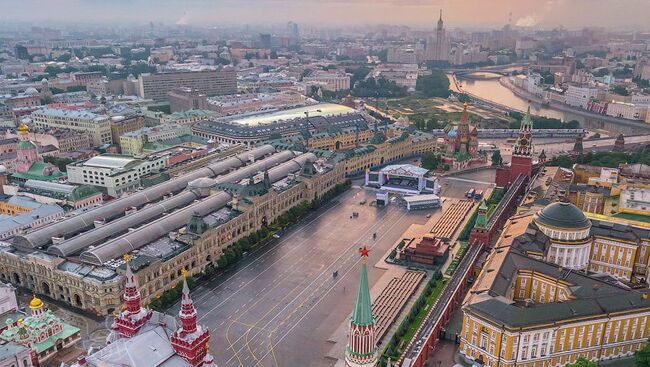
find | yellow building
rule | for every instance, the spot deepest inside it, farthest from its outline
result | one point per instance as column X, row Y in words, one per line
column 13, row 209
column 528, row 312
column 562, row 234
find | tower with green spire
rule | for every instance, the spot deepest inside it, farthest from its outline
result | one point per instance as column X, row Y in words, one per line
column 361, row 350
column 481, row 219
column 524, row 144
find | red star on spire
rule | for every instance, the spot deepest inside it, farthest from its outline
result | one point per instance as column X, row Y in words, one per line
column 364, row 251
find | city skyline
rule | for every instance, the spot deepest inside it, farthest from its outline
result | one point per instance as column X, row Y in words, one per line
column 417, row 13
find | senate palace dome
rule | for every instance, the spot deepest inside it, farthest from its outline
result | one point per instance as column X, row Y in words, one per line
column 568, row 230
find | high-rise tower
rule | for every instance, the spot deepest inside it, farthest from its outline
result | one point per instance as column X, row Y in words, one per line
column 437, row 47
column 361, row 350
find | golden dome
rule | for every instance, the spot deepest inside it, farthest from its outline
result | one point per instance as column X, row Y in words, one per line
column 35, row 303
column 23, row 129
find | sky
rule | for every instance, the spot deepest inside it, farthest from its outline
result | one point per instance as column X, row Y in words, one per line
column 621, row 14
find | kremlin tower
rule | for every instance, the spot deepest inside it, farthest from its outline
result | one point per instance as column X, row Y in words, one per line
column 132, row 316
column 361, row 350
column 522, row 155
column 190, row 340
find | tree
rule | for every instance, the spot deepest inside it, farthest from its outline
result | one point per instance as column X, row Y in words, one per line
column 464, row 98
column 496, row 158
column 434, row 85
column 582, row 362
column 563, row 161
column 620, row 90
column 642, row 356
column 430, row 160
column 60, row 162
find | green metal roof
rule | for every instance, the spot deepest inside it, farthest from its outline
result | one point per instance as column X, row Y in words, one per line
column 83, row 192
column 26, row 144
column 37, row 172
column 363, row 309
column 563, row 215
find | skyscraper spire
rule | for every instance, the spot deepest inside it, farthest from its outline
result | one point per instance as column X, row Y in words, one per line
column 361, row 350
column 440, row 22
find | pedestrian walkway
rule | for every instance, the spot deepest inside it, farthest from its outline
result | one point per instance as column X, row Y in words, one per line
column 469, row 181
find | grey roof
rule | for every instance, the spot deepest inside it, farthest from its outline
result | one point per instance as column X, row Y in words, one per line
column 312, row 123
column 153, row 211
column 153, row 230
column 10, row 223
column 115, row 208
column 50, row 186
column 163, row 226
column 563, row 215
column 593, row 296
column 121, row 225
column 150, row 347
column 9, row 351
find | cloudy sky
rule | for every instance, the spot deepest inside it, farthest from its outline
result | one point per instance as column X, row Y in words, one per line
column 461, row 13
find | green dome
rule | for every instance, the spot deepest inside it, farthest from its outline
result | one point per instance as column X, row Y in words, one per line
column 563, row 216
column 26, row 144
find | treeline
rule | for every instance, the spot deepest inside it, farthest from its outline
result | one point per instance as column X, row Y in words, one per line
column 170, row 296
column 434, row 85
column 235, row 251
column 381, row 87
column 602, row 159
column 541, row 122
column 405, row 330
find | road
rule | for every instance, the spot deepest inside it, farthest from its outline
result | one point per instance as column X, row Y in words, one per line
column 285, row 295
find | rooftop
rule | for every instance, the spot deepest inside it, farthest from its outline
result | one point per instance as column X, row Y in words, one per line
column 112, row 161
column 319, row 110
column 491, row 295
column 404, row 170
column 70, row 113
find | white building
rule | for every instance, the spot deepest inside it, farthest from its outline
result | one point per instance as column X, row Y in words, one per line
column 98, row 126
column 250, row 102
column 580, row 96
column 402, row 55
column 640, row 99
column 627, row 110
column 15, row 355
column 404, row 75
column 330, row 81
column 116, row 174
column 8, row 301
column 403, row 179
